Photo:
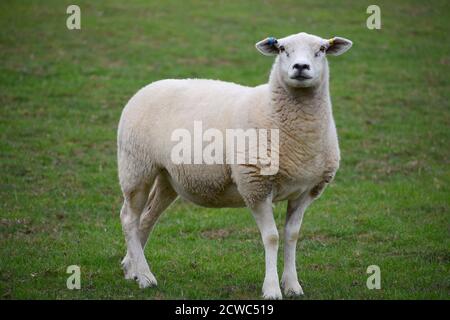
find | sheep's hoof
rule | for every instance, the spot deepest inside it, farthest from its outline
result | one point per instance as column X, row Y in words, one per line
column 272, row 292
column 292, row 288
column 146, row 280
column 272, row 295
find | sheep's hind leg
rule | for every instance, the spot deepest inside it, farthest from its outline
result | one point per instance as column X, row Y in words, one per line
column 161, row 197
column 134, row 263
column 262, row 212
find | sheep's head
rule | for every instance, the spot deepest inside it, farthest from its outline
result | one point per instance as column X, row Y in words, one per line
column 301, row 60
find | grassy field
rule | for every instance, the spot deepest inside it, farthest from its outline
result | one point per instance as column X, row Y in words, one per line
column 61, row 95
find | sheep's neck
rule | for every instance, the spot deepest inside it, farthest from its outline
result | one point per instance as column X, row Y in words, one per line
column 301, row 104
column 303, row 117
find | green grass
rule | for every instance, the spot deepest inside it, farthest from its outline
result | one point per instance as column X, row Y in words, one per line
column 61, row 95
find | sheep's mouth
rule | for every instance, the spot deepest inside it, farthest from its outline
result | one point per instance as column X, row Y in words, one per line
column 301, row 77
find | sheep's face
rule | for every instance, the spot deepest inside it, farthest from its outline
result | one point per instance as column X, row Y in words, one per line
column 301, row 60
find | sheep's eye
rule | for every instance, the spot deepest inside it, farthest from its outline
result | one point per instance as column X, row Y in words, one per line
column 283, row 49
column 322, row 49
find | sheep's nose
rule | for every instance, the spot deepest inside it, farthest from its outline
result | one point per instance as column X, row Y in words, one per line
column 301, row 66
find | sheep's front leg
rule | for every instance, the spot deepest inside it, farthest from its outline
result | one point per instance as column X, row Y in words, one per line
column 264, row 219
column 294, row 217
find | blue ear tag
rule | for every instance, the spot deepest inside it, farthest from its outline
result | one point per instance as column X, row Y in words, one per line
column 271, row 41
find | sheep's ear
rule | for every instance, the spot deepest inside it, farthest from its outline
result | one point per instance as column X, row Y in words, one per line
column 338, row 46
column 268, row 46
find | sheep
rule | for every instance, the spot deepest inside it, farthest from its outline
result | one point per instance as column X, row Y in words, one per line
column 296, row 101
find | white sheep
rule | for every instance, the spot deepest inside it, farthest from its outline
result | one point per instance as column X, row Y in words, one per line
column 296, row 101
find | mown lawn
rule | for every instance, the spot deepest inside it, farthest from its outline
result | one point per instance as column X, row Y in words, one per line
column 61, row 95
